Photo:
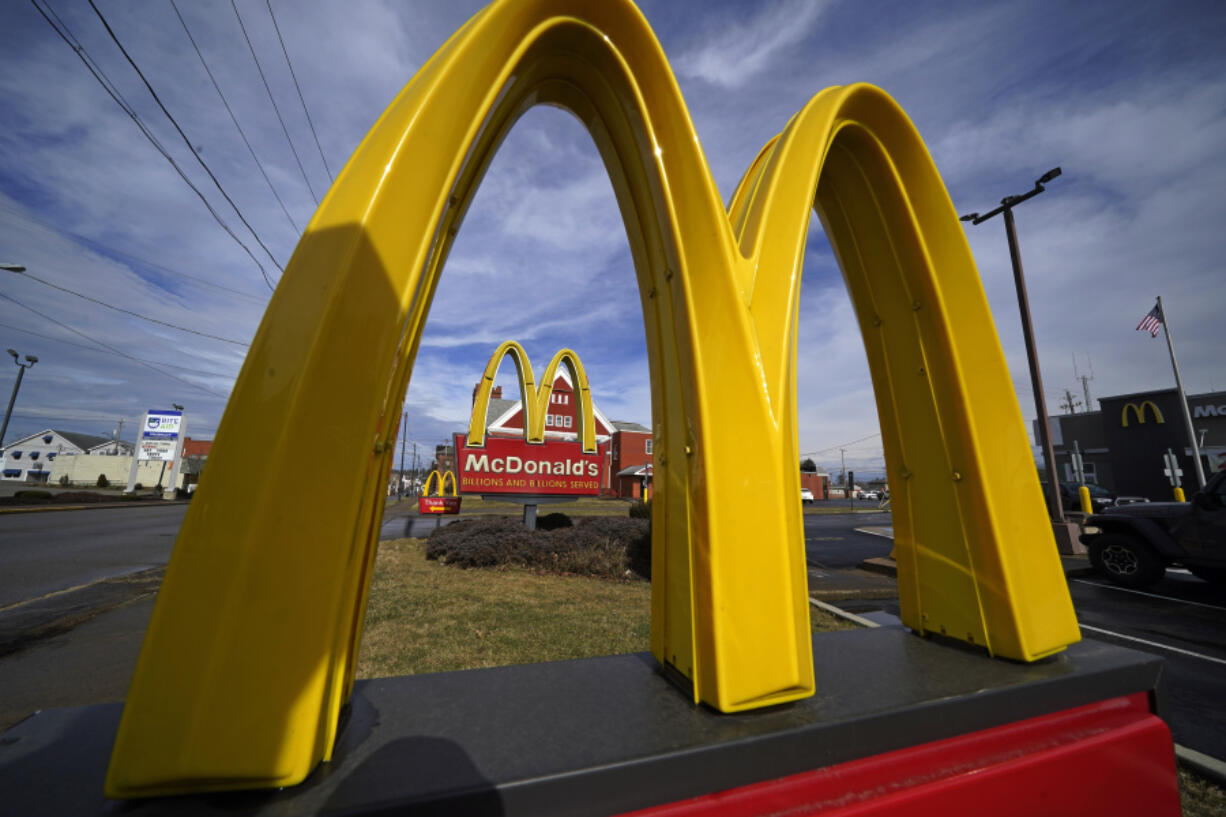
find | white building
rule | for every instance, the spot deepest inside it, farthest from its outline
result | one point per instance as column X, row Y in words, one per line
column 30, row 459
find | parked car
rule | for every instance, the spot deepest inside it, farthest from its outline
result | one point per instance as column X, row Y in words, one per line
column 806, row 496
column 1100, row 498
column 870, row 495
column 1132, row 545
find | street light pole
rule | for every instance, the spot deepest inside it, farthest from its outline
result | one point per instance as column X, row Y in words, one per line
column 1040, row 403
column 30, row 361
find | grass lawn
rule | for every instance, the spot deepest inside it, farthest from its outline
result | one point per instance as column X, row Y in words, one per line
column 427, row 617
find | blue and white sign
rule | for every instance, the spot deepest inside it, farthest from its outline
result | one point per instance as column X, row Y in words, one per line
column 159, row 439
column 162, row 425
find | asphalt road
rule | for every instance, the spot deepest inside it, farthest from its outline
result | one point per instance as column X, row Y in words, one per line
column 831, row 541
column 42, row 553
column 1182, row 620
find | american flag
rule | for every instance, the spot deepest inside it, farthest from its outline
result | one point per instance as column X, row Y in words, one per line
column 1151, row 322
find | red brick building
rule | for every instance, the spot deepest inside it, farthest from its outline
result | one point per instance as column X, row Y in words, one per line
column 817, row 482
column 630, row 461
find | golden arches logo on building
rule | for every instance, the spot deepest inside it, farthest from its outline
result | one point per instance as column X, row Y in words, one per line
column 1138, row 413
column 535, row 399
column 255, row 701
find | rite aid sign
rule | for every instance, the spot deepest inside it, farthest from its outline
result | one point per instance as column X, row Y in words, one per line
column 160, row 436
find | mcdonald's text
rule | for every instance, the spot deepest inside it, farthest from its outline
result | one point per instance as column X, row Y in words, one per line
column 513, row 466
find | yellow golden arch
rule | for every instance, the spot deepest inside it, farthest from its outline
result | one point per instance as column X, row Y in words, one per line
column 251, row 650
column 440, row 482
column 1138, row 412
column 535, row 399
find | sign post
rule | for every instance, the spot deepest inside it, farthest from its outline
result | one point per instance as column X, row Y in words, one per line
column 160, row 440
column 1174, row 473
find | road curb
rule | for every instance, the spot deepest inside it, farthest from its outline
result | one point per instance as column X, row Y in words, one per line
column 888, row 567
column 1206, row 766
column 841, row 613
column 149, row 503
column 28, row 622
column 881, row 564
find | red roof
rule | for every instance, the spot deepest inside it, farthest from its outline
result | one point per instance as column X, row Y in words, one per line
column 196, row 448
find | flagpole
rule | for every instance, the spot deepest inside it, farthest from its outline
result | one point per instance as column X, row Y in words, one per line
column 1183, row 398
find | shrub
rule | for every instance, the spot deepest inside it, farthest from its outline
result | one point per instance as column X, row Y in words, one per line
column 103, row 482
column 138, row 487
column 603, row 546
column 553, row 521
column 33, row 496
column 640, row 509
column 64, row 479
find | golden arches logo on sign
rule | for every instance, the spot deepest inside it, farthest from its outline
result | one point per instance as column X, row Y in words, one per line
column 1138, row 413
column 440, row 483
column 534, row 398
column 255, row 701
column 440, row 501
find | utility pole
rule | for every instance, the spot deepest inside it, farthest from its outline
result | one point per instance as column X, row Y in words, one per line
column 404, row 432
column 1070, row 403
column 118, row 431
column 1085, row 381
column 843, row 471
column 1036, row 379
column 21, row 371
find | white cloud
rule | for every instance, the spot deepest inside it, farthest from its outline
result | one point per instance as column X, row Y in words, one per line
column 735, row 51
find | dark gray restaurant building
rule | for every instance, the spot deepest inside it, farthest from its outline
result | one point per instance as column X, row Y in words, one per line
column 1123, row 443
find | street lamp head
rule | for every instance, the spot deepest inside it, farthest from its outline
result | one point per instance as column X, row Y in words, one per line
column 1048, row 176
column 13, row 267
column 13, row 352
column 32, row 359
column 970, row 217
column 177, row 407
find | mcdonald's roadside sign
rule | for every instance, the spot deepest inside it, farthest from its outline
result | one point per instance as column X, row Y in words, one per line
column 1138, row 412
column 511, row 466
column 531, row 465
column 441, row 502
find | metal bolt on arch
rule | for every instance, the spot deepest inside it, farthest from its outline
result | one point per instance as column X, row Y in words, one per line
column 251, row 651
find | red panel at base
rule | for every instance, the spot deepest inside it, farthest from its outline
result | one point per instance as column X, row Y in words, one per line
column 438, row 504
column 1114, row 758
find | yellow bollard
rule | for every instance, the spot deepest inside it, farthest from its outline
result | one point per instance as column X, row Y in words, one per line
column 1179, row 497
column 1086, row 506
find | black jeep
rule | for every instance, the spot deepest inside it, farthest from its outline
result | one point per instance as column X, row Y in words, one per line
column 1132, row 545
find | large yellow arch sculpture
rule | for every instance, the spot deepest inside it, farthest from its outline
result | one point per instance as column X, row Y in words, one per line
column 250, row 653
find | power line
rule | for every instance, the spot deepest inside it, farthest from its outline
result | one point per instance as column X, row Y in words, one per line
column 98, row 74
column 277, row 110
column 54, row 339
column 234, row 119
column 47, row 317
column 302, row 99
column 130, row 312
column 95, row 244
column 188, row 142
column 840, row 445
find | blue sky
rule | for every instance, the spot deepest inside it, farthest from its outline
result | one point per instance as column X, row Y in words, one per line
column 1128, row 98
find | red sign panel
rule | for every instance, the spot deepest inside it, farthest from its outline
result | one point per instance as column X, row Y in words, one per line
column 509, row 465
column 438, row 504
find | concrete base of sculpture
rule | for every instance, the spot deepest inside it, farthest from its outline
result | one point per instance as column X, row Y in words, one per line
column 896, row 719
